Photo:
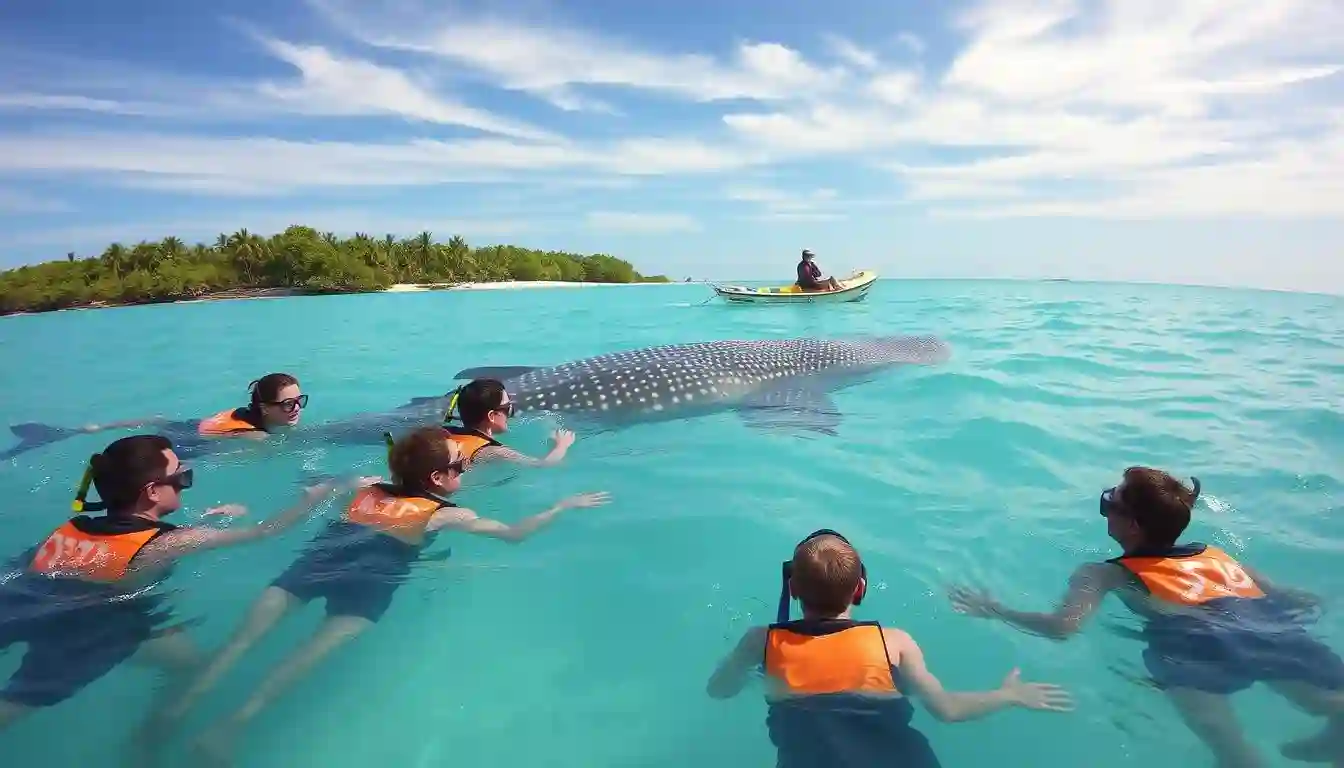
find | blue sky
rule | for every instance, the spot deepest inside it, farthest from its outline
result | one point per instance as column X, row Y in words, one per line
column 1186, row 141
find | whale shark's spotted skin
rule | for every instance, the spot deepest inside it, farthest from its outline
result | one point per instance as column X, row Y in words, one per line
column 680, row 379
column 772, row 384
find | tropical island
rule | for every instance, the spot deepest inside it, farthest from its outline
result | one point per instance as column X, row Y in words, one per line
column 299, row 260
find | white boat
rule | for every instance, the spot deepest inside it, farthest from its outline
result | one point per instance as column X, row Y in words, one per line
column 853, row 288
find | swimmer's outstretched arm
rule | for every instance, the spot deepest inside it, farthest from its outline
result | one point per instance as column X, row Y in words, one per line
column 734, row 671
column 1088, row 585
column 560, row 442
column 188, row 541
column 467, row 521
column 951, row 707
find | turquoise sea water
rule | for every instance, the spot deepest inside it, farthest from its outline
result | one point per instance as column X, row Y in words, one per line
column 590, row 644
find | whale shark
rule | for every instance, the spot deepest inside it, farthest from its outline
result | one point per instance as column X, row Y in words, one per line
column 770, row 384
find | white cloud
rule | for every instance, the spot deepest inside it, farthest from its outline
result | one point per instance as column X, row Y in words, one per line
column 846, row 50
column 785, row 204
column 275, row 166
column 1131, row 98
column 540, row 60
column 618, row 221
column 54, row 101
column 912, row 41
column 331, row 85
column 1154, row 108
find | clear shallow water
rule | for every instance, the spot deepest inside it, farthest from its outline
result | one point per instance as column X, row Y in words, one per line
column 590, row 644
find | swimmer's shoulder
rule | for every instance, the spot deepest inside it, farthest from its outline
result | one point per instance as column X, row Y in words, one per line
column 899, row 643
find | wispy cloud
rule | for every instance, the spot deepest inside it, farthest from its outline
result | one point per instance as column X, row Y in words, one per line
column 784, row 204
column 847, row 51
column 622, row 221
column 15, row 201
column 276, row 166
column 1131, row 108
column 540, row 60
column 332, row 85
column 1053, row 92
column 912, row 42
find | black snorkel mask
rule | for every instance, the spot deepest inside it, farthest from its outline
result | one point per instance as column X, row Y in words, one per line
column 787, row 572
column 1108, row 504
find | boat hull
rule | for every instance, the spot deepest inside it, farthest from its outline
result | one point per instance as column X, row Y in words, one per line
column 853, row 288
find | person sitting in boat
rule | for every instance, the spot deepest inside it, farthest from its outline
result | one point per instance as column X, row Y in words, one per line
column 809, row 275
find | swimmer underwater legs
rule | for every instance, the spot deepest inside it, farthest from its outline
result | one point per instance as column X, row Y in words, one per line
column 216, row 744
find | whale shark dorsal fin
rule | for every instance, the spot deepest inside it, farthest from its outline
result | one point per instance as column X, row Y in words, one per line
column 791, row 410
column 501, row 372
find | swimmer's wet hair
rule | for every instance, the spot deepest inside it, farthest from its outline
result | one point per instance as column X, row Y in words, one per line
column 267, row 388
column 826, row 574
column 125, row 467
column 419, row 454
column 476, row 400
column 1158, row 503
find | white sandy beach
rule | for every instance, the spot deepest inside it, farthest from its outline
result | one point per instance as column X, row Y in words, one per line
column 507, row 285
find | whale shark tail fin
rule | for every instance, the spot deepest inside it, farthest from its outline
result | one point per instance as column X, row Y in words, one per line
column 33, row 435
column 500, row 372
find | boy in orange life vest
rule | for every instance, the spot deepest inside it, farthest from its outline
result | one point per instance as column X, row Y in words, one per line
column 837, row 688
column 80, row 604
column 484, row 408
column 1213, row 626
column 357, row 565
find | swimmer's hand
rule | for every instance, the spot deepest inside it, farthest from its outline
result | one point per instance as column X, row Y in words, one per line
column 1044, row 696
column 225, row 510
column 562, row 439
column 584, row 500
column 973, row 602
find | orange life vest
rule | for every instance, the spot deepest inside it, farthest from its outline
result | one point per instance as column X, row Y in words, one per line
column 1193, row 575
column 469, row 440
column 810, row 658
column 401, row 517
column 72, row 553
column 229, row 422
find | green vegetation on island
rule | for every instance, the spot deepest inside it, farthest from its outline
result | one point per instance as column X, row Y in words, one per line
column 298, row 260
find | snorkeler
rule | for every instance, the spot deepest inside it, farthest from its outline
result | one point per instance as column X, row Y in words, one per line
column 1213, row 626
column 276, row 403
column 484, row 407
column 357, row 564
column 80, row 601
column 837, row 688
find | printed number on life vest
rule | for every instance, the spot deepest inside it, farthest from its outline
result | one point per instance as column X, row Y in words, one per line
column 63, row 552
column 1219, row 576
column 391, row 509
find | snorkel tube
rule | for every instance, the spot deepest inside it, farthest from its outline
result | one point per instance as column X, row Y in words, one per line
column 452, row 405
column 786, row 573
column 81, row 502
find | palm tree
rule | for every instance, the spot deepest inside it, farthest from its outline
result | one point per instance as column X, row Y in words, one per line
column 116, row 259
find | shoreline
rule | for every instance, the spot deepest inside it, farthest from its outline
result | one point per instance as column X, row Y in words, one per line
column 502, row 285
column 245, row 294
